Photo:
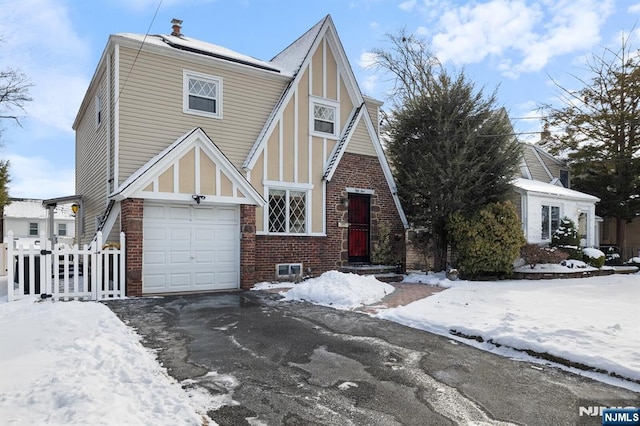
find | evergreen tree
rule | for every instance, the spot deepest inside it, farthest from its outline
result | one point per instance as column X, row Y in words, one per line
column 451, row 147
column 600, row 135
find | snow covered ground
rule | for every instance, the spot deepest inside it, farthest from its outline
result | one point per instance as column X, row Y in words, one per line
column 76, row 363
column 593, row 321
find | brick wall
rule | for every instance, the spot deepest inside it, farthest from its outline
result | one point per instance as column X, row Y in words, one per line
column 322, row 254
column 131, row 218
column 247, row 246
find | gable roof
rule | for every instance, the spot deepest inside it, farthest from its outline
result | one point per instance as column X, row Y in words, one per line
column 542, row 188
column 292, row 57
column 297, row 55
column 145, row 177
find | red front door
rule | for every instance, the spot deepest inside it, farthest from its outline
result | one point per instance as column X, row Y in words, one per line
column 359, row 218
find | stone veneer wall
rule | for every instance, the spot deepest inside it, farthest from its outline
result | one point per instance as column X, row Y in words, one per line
column 131, row 215
column 322, row 254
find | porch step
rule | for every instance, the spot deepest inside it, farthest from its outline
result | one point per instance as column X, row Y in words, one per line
column 384, row 273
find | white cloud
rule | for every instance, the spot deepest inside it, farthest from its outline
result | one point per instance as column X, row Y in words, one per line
column 37, row 177
column 634, row 8
column 370, row 84
column 38, row 39
column 408, row 5
column 526, row 32
column 367, row 60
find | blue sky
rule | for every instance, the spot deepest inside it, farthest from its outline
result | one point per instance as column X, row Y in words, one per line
column 512, row 45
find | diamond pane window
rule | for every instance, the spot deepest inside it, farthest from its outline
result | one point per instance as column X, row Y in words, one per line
column 287, row 211
column 297, row 216
column 277, row 210
column 202, row 94
column 324, row 119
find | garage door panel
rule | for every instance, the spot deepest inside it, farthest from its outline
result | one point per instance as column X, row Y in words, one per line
column 154, row 257
column 180, row 233
column 227, row 214
column 226, row 256
column 180, row 257
column 154, row 212
column 205, row 257
column 155, row 282
column 204, row 233
column 224, row 233
column 180, row 213
column 180, row 281
column 204, row 214
column 204, row 279
column 190, row 248
column 155, row 233
column 226, row 278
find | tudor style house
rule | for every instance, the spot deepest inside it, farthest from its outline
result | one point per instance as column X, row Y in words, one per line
column 224, row 170
column 544, row 196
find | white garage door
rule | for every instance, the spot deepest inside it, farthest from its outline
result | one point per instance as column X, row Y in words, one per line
column 190, row 248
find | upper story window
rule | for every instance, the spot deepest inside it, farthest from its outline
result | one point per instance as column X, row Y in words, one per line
column 324, row 117
column 564, row 178
column 33, row 229
column 202, row 94
column 98, row 109
column 62, row 229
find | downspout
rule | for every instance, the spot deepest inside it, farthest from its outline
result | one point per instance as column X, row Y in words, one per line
column 109, row 134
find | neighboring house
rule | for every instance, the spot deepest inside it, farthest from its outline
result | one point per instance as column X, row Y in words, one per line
column 632, row 230
column 28, row 220
column 544, row 197
column 224, row 170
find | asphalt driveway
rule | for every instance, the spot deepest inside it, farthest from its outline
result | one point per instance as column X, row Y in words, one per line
column 300, row 364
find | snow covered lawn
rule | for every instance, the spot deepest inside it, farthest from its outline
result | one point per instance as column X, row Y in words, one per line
column 593, row 321
column 77, row 363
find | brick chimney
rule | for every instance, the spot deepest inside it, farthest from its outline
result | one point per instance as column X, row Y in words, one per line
column 176, row 25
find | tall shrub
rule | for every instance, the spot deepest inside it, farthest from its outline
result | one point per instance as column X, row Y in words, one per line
column 487, row 242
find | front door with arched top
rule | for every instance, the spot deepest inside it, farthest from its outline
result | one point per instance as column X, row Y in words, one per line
column 359, row 227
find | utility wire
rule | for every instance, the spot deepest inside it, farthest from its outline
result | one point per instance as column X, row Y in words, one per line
column 139, row 50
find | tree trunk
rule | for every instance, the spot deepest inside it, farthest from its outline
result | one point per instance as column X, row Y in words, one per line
column 621, row 235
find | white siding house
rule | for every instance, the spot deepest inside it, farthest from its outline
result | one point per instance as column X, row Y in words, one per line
column 27, row 219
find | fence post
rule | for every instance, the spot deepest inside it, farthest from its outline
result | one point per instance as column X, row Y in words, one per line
column 48, row 277
column 99, row 265
column 121, row 266
column 10, row 266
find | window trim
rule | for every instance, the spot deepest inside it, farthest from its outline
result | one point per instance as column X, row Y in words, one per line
column 37, row 234
column 304, row 188
column 313, row 101
column 549, row 217
column 186, row 75
column 64, row 234
column 289, row 266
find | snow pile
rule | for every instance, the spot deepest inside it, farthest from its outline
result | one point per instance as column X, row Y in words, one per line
column 593, row 253
column 77, row 363
column 270, row 286
column 339, row 290
column 438, row 279
column 593, row 321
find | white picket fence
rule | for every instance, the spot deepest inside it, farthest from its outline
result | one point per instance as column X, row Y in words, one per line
column 93, row 272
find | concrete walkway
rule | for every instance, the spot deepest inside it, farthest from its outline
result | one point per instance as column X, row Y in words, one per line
column 404, row 294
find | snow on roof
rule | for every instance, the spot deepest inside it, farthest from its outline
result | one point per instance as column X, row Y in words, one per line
column 530, row 185
column 201, row 47
column 33, row 209
column 291, row 58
